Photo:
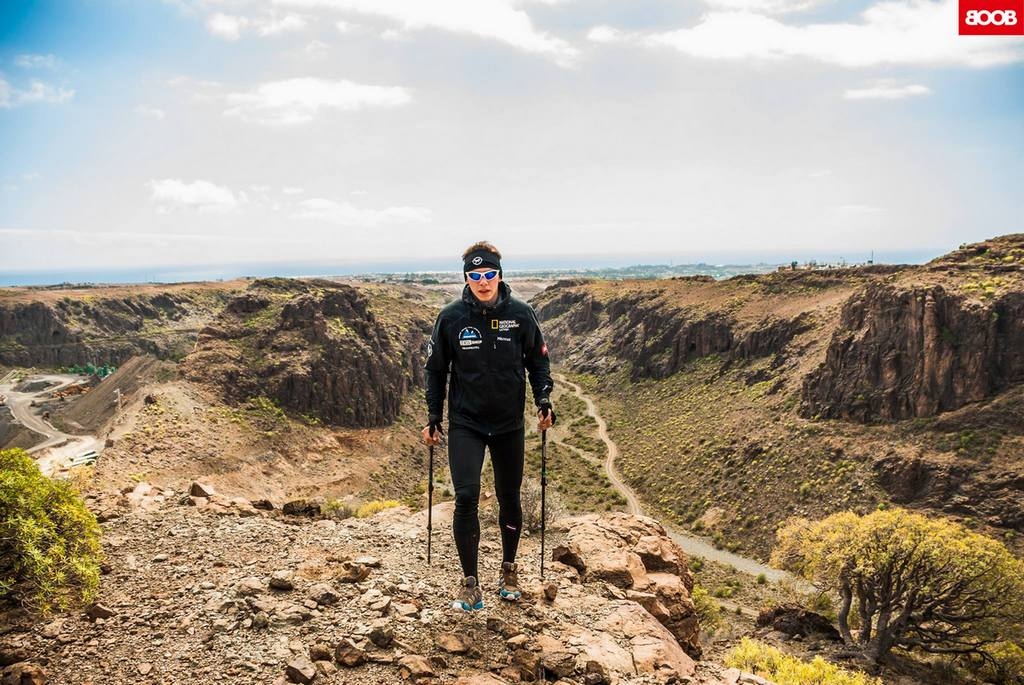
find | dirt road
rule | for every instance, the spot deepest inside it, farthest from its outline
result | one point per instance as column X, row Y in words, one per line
column 691, row 544
column 56, row 449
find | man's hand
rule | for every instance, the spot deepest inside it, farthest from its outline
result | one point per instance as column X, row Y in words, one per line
column 545, row 416
column 432, row 433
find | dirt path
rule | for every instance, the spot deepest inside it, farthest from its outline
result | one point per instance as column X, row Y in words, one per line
column 691, row 544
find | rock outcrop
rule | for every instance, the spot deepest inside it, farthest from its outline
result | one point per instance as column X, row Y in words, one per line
column 962, row 487
column 317, row 347
column 907, row 341
column 657, row 328
column 105, row 325
column 635, row 554
column 913, row 352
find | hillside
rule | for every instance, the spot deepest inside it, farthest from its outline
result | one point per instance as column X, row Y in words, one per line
column 727, row 402
column 741, row 402
column 268, row 597
column 330, row 351
column 51, row 327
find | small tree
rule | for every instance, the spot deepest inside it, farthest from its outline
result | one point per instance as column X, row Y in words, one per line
column 916, row 583
column 49, row 541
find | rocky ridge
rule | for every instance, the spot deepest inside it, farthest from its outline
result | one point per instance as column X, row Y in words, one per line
column 63, row 327
column 200, row 587
column 343, row 355
column 903, row 341
column 814, row 390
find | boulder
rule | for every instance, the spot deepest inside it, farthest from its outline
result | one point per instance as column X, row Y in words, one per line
column 347, row 654
column 201, row 490
column 302, row 507
column 23, row 673
column 300, row 670
column 796, row 621
column 414, row 666
column 639, row 561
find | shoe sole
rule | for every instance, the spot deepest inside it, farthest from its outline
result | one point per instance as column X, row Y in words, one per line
column 463, row 606
column 510, row 596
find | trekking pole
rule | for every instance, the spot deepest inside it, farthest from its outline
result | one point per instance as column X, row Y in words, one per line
column 543, row 489
column 430, row 498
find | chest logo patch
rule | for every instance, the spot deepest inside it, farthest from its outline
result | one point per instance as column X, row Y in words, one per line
column 470, row 338
column 504, row 324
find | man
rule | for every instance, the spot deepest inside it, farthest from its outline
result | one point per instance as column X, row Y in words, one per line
column 487, row 339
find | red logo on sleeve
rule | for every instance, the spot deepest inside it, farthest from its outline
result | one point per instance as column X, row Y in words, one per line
column 544, row 349
column 992, row 17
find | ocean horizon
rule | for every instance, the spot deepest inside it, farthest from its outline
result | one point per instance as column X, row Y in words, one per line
column 733, row 261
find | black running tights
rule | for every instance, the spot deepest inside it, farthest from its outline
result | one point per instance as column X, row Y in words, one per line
column 465, row 461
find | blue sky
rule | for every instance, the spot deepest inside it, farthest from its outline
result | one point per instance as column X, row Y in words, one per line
column 143, row 133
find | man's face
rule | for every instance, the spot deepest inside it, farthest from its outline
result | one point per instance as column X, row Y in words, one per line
column 484, row 290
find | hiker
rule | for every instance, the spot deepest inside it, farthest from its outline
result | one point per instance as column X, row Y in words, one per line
column 487, row 338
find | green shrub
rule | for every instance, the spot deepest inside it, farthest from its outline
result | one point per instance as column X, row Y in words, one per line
column 869, row 560
column 371, row 508
column 768, row 662
column 335, row 508
column 1008, row 666
column 49, row 541
column 709, row 615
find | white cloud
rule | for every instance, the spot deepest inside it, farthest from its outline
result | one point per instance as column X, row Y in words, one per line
column 31, row 176
column 360, row 193
column 344, row 26
column 858, row 209
column 763, row 6
column 226, row 26
column 231, row 26
column 44, row 92
column 38, row 91
column 915, row 32
column 273, row 25
column 202, row 196
column 885, row 90
column 288, row 190
column 316, row 49
column 29, row 61
column 346, row 214
column 494, row 19
column 299, row 100
column 147, row 111
column 119, row 238
column 607, row 34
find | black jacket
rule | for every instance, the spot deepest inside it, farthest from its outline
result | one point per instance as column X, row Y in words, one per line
column 488, row 349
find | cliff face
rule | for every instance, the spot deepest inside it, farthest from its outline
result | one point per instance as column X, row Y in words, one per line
column 344, row 355
column 906, row 341
column 902, row 353
column 810, row 391
column 103, row 325
column 658, row 327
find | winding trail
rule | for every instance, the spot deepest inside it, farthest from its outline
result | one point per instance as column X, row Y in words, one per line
column 691, row 544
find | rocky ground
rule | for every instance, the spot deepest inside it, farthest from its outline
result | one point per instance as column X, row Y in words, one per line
column 213, row 590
